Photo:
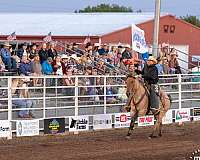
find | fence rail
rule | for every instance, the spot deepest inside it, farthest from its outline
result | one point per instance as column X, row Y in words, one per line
column 87, row 95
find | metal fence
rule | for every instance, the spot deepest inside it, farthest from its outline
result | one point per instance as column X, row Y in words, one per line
column 56, row 96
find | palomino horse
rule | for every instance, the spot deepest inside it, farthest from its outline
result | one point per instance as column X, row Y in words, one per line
column 139, row 101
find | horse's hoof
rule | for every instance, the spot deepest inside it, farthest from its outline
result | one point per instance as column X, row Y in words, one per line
column 128, row 137
column 152, row 136
column 160, row 135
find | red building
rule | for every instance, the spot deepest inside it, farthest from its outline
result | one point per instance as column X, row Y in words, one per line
column 174, row 31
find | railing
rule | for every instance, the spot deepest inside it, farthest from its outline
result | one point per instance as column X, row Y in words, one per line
column 87, row 95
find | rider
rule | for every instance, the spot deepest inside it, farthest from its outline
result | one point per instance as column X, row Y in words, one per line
column 150, row 75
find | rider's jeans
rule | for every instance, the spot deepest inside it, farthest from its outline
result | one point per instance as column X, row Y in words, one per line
column 154, row 98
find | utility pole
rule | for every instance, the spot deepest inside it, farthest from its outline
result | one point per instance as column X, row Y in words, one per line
column 156, row 28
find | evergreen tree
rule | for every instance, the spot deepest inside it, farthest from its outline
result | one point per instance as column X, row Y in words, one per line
column 191, row 19
column 106, row 8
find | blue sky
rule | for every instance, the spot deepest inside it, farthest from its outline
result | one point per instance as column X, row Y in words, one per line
column 175, row 7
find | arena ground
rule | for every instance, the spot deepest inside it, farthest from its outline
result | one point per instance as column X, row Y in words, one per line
column 177, row 143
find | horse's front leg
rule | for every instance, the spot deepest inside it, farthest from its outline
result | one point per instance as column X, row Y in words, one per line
column 133, row 119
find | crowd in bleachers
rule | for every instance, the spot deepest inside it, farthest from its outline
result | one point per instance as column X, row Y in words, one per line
column 101, row 59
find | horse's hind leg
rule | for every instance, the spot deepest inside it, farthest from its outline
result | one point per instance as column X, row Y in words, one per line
column 157, row 131
column 133, row 118
column 154, row 134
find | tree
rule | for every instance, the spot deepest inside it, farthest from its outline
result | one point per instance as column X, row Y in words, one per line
column 191, row 19
column 106, row 8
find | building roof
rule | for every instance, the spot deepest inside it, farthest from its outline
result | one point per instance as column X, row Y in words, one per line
column 69, row 24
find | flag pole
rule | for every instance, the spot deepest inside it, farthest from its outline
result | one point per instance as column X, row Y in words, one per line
column 156, row 28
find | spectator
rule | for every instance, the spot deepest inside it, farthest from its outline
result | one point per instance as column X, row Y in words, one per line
column 24, row 104
column 43, row 53
column 173, row 64
column 8, row 60
column 47, row 68
column 33, row 51
column 52, row 51
column 76, row 49
column 57, row 66
column 68, row 82
column 36, row 69
column 127, row 54
column 2, row 66
column 165, row 65
column 64, row 62
column 159, row 66
column 23, row 51
column 25, row 66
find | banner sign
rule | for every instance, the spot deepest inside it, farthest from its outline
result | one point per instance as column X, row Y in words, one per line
column 102, row 121
column 196, row 111
column 145, row 121
column 79, row 123
column 27, row 128
column 168, row 119
column 54, row 125
column 5, row 128
column 196, row 118
column 182, row 115
column 122, row 120
column 138, row 40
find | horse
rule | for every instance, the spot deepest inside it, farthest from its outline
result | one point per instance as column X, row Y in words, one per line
column 139, row 102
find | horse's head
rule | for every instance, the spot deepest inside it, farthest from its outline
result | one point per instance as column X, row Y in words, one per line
column 130, row 85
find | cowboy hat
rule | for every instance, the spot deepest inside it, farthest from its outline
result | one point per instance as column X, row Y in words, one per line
column 7, row 44
column 127, row 46
column 151, row 58
column 64, row 56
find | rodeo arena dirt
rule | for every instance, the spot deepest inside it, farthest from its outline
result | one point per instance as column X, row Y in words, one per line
column 89, row 100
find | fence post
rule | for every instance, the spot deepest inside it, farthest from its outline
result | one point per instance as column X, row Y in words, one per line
column 76, row 99
column 104, row 95
column 179, row 91
column 10, row 105
column 44, row 97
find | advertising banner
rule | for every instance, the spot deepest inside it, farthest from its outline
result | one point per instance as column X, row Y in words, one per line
column 122, row 120
column 102, row 121
column 196, row 118
column 5, row 128
column 78, row 123
column 54, row 125
column 196, row 111
column 145, row 121
column 27, row 128
column 182, row 115
column 138, row 40
column 167, row 119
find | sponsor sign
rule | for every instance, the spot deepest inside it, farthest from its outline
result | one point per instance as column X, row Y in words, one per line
column 5, row 128
column 196, row 118
column 102, row 121
column 78, row 123
column 138, row 40
column 54, row 125
column 167, row 119
column 122, row 120
column 146, row 121
column 27, row 128
column 182, row 115
column 196, row 111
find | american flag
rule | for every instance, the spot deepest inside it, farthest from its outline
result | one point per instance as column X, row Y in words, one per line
column 48, row 38
column 87, row 40
column 11, row 37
